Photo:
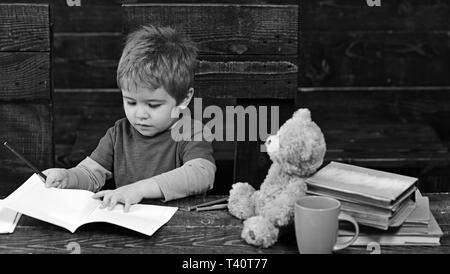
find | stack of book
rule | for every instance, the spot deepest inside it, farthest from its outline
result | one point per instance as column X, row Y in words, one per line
column 420, row 228
column 374, row 198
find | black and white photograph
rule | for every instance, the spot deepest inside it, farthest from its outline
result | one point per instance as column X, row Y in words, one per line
column 235, row 135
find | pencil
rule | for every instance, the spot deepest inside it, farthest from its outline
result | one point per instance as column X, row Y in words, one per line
column 25, row 160
column 214, row 207
column 208, row 203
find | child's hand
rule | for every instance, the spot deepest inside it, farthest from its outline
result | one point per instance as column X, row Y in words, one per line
column 127, row 195
column 57, row 177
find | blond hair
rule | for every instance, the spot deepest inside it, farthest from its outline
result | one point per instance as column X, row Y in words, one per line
column 155, row 57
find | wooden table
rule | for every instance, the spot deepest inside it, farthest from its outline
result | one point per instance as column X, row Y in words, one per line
column 206, row 232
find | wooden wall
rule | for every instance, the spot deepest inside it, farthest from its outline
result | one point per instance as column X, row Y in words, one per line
column 248, row 51
column 375, row 78
column 25, row 92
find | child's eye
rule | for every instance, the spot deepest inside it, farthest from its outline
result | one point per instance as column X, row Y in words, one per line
column 154, row 106
column 131, row 103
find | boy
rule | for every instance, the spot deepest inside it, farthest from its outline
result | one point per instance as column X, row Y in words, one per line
column 155, row 74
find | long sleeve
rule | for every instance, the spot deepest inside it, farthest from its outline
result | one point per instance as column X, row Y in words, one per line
column 89, row 175
column 194, row 177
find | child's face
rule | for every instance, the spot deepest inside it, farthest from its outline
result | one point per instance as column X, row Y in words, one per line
column 149, row 111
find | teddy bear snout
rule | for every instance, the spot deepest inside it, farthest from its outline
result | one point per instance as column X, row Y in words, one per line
column 272, row 144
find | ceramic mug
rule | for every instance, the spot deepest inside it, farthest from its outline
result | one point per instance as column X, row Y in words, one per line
column 317, row 223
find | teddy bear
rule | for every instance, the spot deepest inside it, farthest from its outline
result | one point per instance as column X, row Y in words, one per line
column 297, row 151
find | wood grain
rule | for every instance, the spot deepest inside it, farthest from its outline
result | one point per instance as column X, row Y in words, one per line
column 25, row 92
column 91, row 16
column 224, row 29
column 225, row 79
column 90, row 61
column 24, row 75
column 187, row 232
column 106, row 15
column 24, row 27
column 379, row 127
column 28, row 129
column 410, row 15
column 361, row 58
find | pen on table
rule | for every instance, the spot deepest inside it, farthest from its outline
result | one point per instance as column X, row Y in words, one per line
column 26, row 161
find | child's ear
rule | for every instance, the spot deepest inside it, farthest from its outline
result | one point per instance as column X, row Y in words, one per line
column 187, row 100
column 183, row 105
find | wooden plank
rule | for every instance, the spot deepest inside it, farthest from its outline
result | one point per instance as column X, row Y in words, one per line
column 81, row 119
column 410, row 103
column 227, row 79
column 225, row 28
column 403, row 15
column 242, row 2
column 91, row 16
column 187, row 232
column 171, row 240
column 378, row 128
column 24, row 75
column 89, row 60
column 86, row 60
column 108, row 45
column 252, row 79
column 26, row 127
column 89, row 47
column 24, row 27
column 105, row 238
column 359, row 58
column 221, row 234
column 105, row 15
column 369, row 104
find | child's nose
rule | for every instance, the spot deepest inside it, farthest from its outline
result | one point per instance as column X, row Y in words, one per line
column 141, row 113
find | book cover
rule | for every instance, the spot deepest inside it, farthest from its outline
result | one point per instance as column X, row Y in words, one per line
column 383, row 222
column 360, row 184
column 431, row 237
column 421, row 215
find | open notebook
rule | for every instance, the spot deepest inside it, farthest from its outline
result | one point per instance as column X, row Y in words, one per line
column 8, row 219
column 71, row 208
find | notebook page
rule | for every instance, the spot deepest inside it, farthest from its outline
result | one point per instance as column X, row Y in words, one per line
column 142, row 218
column 63, row 207
column 8, row 219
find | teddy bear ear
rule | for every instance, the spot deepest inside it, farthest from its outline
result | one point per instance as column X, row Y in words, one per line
column 303, row 113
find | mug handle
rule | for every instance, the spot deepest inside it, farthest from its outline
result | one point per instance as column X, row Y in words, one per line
column 348, row 218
